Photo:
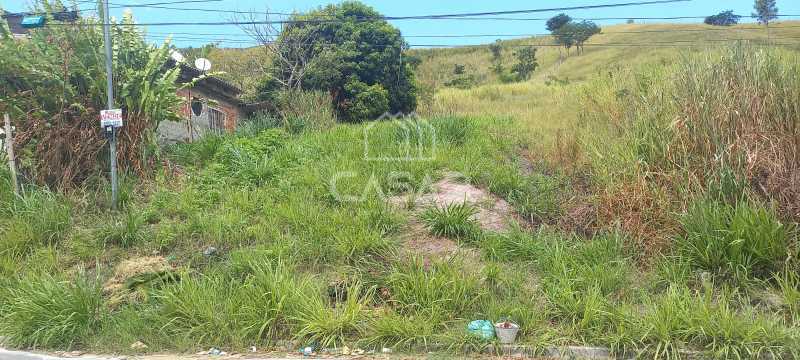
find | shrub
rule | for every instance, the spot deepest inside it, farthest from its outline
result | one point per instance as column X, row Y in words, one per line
column 40, row 310
column 366, row 102
column 453, row 220
column 725, row 18
column 745, row 237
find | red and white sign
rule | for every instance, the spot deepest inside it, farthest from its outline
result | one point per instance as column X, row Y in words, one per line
column 111, row 118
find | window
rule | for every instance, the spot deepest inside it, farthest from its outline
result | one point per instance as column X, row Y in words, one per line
column 216, row 120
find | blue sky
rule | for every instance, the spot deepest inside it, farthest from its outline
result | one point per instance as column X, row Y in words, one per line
column 231, row 36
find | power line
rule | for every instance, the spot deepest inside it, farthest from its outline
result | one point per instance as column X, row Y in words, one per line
column 614, row 44
column 716, row 29
column 415, row 17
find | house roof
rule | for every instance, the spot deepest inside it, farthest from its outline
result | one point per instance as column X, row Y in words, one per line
column 213, row 84
column 15, row 19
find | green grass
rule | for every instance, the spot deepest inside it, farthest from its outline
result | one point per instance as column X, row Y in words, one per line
column 43, row 311
column 453, row 220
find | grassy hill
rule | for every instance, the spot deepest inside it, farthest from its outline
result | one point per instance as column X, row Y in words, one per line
column 649, row 43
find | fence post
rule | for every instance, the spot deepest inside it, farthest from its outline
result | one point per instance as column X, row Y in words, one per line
column 10, row 153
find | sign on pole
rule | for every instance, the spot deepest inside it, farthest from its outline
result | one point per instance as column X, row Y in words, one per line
column 111, row 118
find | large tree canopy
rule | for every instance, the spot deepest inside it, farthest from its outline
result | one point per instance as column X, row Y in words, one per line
column 351, row 52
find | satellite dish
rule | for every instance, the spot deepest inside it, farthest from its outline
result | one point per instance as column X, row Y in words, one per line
column 202, row 64
column 178, row 57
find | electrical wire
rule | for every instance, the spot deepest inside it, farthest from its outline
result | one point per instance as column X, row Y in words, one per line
column 414, row 17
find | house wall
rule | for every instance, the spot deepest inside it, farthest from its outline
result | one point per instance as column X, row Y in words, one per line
column 194, row 127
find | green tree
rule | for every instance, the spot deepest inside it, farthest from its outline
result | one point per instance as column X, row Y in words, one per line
column 526, row 63
column 345, row 57
column 497, row 57
column 556, row 22
column 576, row 34
column 725, row 18
column 766, row 11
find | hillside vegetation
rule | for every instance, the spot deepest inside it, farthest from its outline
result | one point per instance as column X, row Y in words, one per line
column 650, row 200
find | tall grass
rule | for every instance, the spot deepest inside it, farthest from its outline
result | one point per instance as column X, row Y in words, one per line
column 43, row 311
column 741, row 239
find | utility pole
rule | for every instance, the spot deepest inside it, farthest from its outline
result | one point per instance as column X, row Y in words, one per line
column 110, row 130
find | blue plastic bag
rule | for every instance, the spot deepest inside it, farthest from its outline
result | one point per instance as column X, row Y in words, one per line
column 482, row 328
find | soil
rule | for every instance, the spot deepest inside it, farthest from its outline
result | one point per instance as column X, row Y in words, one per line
column 493, row 212
column 493, row 215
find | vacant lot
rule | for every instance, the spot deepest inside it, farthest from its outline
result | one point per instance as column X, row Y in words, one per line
column 650, row 209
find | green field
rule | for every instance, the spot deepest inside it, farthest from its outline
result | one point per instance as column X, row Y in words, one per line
column 652, row 207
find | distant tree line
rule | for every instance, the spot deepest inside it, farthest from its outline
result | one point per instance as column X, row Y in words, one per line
column 569, row 33
column 725, row 18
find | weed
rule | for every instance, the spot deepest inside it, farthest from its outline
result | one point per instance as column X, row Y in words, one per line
column 789, row 285
column 332, row 326
column 454, row 220
column 442, row 287
column 404, row 332
column 126, row 231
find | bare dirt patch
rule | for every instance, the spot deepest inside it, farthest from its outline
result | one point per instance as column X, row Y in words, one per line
column 493, row 214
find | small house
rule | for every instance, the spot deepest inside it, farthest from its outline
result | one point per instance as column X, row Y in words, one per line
column 211, row 105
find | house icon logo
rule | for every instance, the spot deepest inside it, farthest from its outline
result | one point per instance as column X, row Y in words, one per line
column 399, row 137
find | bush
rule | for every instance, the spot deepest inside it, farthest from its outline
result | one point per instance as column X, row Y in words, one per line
column 453, row 220
column 743, row 238
column 365, row 102
column 40, row 310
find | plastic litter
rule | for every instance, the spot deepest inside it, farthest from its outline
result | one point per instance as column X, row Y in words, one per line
column 308, row 351
column 482, row 328
column 210, row 251
column 216, row 352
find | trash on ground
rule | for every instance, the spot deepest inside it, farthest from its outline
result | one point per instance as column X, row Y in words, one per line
column 138, row 346
column 216, row 352
column 210, row 251
column 506, row 331
column 307, row 351
column 482, row 328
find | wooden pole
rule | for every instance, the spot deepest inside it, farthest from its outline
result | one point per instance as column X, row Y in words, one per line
column 10, row 153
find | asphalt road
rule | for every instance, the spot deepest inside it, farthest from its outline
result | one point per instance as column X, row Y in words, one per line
column 22, row 355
